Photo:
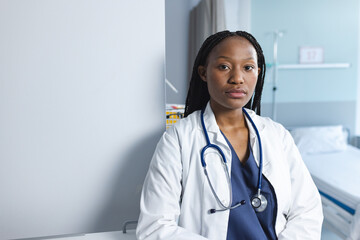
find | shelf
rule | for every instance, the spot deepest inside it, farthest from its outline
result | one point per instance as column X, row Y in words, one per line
column 313, row 66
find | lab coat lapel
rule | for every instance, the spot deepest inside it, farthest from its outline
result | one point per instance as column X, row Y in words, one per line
column 214, row 132
column 254, row 143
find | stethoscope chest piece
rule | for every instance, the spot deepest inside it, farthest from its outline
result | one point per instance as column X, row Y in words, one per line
column 259, row 202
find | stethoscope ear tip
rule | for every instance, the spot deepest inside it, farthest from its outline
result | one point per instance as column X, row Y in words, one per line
column 211, row 211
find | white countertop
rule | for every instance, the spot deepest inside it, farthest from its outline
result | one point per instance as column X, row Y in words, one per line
column 119, row 235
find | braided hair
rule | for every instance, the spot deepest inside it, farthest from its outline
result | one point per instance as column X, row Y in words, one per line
column 198, row 94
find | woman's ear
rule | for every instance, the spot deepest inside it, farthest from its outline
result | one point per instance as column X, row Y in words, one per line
column 259, row 70
column 202, row 72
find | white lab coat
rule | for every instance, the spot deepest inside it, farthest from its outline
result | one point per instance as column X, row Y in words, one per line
column 176, row 196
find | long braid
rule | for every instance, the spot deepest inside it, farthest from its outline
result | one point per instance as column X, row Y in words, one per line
column 198, row 94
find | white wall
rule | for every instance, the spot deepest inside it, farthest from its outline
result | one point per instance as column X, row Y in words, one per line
column 82, row 107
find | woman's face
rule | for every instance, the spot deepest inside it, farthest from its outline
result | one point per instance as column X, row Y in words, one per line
column 230, row 73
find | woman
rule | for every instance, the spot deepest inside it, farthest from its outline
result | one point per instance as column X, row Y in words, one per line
column 250, row 181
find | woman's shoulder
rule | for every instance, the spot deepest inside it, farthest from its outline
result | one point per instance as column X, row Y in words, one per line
column 268, row 124
column 273, row 131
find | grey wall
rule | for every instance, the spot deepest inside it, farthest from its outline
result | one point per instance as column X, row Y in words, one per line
column 177, row 14
column 82, row 101
column 313, row 114
column 357, row 127
column 238, row 15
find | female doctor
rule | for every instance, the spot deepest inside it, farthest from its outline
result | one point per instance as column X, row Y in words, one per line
column 224, row 172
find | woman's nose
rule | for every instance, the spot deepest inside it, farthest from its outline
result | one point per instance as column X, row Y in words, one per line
column 236, row 77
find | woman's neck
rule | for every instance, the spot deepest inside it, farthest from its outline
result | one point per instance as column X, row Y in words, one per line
column 233, row 125
column 228, row 119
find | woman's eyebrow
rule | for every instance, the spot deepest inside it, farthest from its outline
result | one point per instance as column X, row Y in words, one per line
column 249, row 58
column 225, row 57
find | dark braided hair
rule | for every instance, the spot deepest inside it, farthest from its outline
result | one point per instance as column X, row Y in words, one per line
column 198, row 94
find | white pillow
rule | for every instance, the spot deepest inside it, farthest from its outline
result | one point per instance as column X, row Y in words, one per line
column 323, row 139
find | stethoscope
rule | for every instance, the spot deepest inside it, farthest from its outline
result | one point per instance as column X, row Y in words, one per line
column 258, row 201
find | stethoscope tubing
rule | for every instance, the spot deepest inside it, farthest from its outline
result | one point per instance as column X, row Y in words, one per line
column 209, row 145
column 224, row 162
column 213, row 190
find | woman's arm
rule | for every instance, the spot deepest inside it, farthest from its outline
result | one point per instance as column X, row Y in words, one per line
column 305, row 216
column 160, row 198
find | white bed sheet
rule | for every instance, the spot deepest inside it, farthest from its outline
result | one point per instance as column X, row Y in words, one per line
column 338, row 175
column 340, row 170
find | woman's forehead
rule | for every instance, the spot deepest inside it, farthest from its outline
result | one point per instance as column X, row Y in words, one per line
column 234, row 45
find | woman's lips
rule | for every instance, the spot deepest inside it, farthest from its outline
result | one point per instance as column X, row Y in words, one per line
column 236, row 93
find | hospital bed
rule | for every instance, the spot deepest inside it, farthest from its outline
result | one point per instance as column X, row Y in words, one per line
column 335, row 169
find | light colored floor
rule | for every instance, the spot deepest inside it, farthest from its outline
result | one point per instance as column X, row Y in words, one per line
column 328, row 235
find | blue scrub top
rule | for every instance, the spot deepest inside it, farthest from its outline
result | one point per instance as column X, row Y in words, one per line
column 244, row 221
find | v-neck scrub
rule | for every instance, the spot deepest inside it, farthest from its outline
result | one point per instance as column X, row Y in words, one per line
column 244, row 221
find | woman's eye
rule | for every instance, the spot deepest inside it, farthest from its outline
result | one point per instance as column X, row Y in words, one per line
column 223, row 67
column 248, row 68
